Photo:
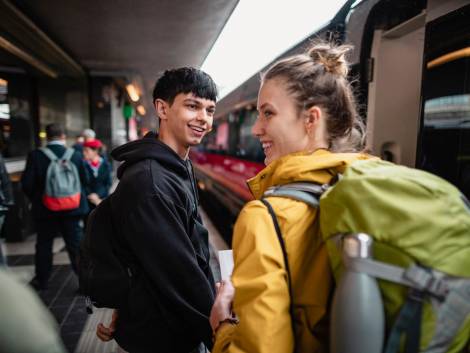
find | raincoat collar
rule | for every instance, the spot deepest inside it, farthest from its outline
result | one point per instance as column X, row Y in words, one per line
column 318, row 167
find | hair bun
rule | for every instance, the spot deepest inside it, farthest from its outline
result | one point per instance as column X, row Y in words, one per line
column 331, row 57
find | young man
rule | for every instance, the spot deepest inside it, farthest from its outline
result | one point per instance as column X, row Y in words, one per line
column 155, row 208
column 50, row 223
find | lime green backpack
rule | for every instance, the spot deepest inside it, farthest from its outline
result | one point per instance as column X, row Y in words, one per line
column 420, row 225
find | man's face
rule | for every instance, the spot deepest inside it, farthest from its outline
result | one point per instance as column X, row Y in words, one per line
column 186, row 121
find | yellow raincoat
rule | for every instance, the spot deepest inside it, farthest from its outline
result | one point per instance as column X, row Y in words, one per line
column 260, row 279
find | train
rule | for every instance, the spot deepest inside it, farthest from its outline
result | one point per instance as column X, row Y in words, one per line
column 410, row 69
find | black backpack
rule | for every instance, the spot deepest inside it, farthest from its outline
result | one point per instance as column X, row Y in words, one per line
column 104, row 276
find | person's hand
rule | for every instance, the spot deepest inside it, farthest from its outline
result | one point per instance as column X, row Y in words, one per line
column 94, row 199
column 106, row 333
column 222, row 308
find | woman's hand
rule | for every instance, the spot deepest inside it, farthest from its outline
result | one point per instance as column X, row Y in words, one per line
column 107, row 333
column 222, row 308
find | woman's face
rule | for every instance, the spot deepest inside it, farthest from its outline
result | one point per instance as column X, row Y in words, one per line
column 89, row 153
column 279, row 127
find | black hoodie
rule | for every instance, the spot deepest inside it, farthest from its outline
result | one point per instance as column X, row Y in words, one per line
column 155, row 206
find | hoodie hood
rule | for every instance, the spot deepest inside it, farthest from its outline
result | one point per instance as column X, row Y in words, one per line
column 149, row 147
column 318, row 167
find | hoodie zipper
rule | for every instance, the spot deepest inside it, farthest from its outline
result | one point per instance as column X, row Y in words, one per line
column 192, row 180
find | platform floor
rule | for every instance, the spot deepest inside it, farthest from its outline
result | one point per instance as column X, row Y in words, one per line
column 77, row 328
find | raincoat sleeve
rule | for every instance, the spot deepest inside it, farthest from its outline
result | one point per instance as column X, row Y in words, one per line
column 261, row 291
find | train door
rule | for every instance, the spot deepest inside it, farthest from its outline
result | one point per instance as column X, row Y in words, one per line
column 393, row 107
column 444, row 147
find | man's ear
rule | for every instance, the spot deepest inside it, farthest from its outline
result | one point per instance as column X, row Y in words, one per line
column 161, row 107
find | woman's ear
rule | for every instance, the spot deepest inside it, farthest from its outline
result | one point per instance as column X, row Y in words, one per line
column 312, row 118
column 161, row 108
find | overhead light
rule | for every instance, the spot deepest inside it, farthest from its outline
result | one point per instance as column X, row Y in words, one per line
column 132, row 92
column 141, row 109
column 42, row 134
column 458, row 54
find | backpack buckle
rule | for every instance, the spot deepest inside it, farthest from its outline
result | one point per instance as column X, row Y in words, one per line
column 424, row 280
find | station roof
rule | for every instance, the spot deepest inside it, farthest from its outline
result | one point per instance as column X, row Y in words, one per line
column 137, row 39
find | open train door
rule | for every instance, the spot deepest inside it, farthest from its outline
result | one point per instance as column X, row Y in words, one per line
column 393, row 107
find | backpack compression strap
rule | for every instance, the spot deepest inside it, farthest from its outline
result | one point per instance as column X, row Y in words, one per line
column 452, row 297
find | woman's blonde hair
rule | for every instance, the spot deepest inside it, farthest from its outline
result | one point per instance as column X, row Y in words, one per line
column 319, row 78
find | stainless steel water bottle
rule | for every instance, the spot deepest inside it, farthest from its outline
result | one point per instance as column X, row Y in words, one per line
column 357, row 322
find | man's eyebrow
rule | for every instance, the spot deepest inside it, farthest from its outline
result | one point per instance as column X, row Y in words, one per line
column 198, row 102
column 191, row 100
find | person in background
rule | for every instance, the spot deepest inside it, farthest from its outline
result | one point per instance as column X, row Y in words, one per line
column 6, row 200
column 78, row 145
column 307, row 119
column 99, row 173
column 85, row 136
column 88, row 135
column 26, row 324
column 49, row 223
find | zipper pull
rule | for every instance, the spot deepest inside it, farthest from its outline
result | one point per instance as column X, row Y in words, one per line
column 89, row 305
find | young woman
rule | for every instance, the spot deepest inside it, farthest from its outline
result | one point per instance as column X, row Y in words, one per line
column 99, row 173
column 307, row 121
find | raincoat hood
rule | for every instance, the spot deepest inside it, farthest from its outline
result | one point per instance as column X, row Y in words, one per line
column 319, row 167
column 149, row 147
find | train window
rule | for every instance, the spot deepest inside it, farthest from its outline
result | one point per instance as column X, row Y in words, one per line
column 217, row 140
column 248, row 145
column 445, row 132
column 221, row 140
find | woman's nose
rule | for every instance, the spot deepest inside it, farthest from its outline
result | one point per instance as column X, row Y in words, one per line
column 257, row 129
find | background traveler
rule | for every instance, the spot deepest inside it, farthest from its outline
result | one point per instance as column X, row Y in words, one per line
column 50, row 223
column 99, row 173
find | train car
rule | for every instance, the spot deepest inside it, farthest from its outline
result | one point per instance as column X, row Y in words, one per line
column 411, row 71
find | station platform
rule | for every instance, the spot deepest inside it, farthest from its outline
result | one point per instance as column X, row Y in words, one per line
column 77, row 328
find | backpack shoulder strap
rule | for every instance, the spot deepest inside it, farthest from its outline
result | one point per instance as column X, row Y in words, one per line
column 286, row 262
column 49, row 154
column 68, row 154
column 309, row 193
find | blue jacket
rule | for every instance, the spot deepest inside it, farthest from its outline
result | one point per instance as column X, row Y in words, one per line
column 33, row 182
column 101, row 182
